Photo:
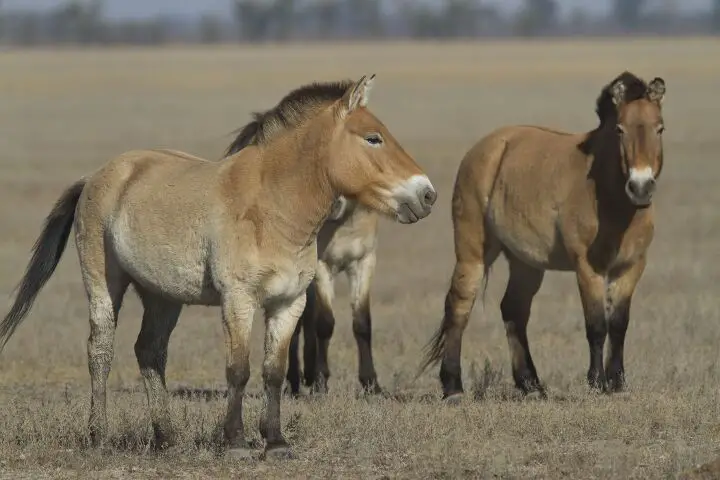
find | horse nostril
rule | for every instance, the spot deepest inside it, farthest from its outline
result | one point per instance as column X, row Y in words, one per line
column 429, row 196
column 634, row 188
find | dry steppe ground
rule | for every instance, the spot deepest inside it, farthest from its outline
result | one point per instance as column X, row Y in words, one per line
column 63, row 113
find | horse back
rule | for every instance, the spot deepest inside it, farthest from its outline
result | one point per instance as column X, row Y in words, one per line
column 531, row 160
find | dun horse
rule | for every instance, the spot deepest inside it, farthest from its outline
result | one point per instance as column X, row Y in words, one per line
column 346, row 243
column 551, row 200
column 240, row 233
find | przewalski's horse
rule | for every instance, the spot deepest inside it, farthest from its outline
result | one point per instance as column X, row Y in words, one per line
column 240, row 234
column 351, row 243
column 347, row 243
column 551, row 200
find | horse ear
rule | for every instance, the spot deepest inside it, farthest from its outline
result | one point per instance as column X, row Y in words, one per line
column 618, row 93
column 365, row 97
column 358, row 95
column 338, row 209
column 656, row 90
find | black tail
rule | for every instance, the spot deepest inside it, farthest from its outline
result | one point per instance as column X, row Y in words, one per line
column 47, row 251
column 436, row 346
column 245, row 135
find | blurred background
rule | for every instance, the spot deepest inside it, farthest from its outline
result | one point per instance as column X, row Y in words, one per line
column 37, row 22
column 184, row 74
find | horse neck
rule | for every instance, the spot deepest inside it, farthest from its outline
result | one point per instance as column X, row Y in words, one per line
column 296, row 195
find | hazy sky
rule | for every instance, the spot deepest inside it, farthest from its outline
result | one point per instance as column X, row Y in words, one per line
column 145, row 8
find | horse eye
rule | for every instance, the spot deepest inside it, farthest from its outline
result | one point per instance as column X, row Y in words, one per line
column 374, row 139
column 619, row 129
column 660, row 129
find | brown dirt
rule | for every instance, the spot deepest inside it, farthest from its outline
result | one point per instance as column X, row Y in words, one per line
column 63, row 113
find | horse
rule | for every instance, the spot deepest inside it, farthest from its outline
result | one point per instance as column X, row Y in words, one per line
column 553, row 200
column 240, row 233
column 347, row 243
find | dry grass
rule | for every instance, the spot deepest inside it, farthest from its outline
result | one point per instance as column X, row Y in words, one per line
column 64, row 113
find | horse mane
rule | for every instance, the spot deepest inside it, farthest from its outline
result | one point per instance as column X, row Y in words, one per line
column 293, row 109
column 635, row 89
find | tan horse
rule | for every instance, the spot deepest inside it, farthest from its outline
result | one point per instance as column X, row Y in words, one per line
column 351, row 244
column 240, row 233
column 551, row 200
column 347, row 244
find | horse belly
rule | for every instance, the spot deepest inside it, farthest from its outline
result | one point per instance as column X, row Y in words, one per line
column 176, row 271
column 539, row 246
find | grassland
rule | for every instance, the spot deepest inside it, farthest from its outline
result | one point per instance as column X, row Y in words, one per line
column 63, row 113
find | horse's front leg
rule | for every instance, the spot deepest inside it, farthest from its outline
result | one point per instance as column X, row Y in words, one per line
column 238, row 308
column 593, row 294
column 281, row 319
column 620, row 292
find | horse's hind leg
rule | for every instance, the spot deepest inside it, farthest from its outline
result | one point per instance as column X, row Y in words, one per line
column 306, row 324
column 476, row 249
column 308, row 320
column 159, row 320
column 105, row 285
column 360, row 274
column 293, row 372
column 523, row 283
column 324, row 325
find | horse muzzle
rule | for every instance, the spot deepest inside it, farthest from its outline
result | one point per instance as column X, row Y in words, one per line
column 414, row 199
column 640, row 186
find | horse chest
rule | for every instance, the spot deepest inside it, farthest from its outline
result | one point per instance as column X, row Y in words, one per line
column 342, row 251
column 617, row 250
column 286, row 283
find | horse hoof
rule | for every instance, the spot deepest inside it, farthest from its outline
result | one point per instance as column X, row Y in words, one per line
column 282, row 452
column 289, row 393
column 372, row 391
column 240, row 454
column 319, row 390
column 165, row 441
column 375, row 389
column 454, row 400
column 536, row 395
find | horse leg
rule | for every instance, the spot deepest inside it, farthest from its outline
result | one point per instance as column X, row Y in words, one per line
column 360, row 274
column 238, row 308
column 620, row 292
column 151, row 347
column 105, row 285
column 280, row 323
column 293, row 372
column 523, row 283
column 308, row 321
column 324, row 325
column 475, row 252
column 593, row 292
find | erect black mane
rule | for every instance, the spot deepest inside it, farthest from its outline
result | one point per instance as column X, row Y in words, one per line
column 293, row 109
column 635, row 89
